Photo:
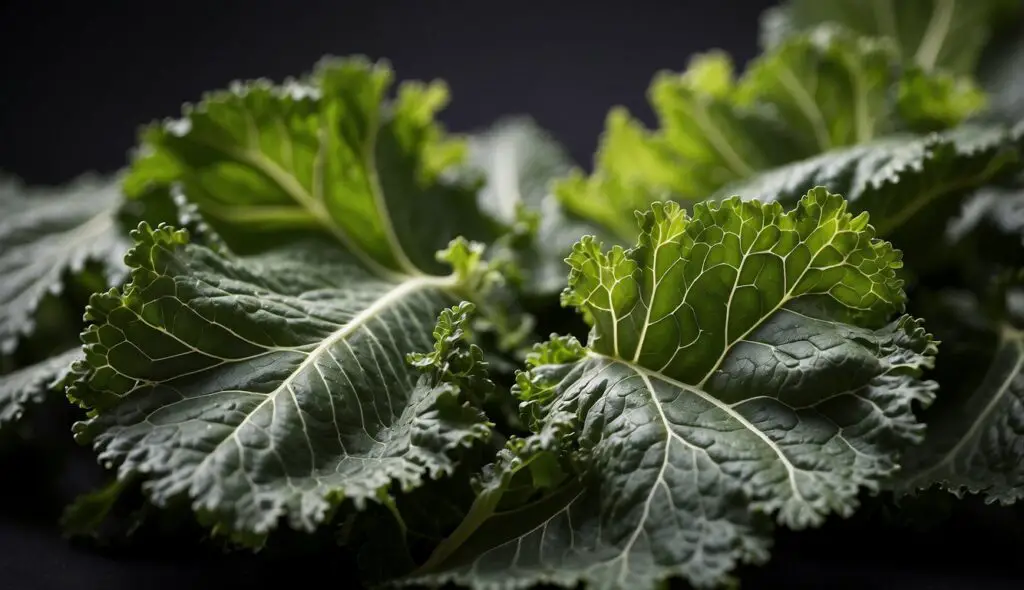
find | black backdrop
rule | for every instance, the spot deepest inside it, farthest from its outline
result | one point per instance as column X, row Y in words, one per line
column 78, row 79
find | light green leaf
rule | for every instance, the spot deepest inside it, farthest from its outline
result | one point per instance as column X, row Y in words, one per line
column 829, row 83
column 902, row 180
column 975, row 439
column 276, row 384
column 631, row 170
column 331, row 152
column 820, row 90
column 946, row 34
column 520, row 161
column 706, row 139
column 741, row 362
column 47, row 232
column 29, row 385
column 933, row 102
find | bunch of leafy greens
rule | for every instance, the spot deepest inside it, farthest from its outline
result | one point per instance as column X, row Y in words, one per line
column 312, row 307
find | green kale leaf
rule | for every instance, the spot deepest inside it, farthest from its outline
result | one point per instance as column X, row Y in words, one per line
column 742, row 362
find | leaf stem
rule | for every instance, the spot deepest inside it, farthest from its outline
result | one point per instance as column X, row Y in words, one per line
column 388, row 501
column 935, row 35
column 483, row 508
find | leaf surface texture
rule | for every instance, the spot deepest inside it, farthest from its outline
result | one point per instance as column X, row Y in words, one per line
column 742, row 361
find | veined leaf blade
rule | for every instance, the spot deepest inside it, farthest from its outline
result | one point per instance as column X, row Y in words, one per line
column 820, row 90
column 45, row 233
column 795, row 392
column 29, row 385
column 330, row 151
column 266, row 386
column 975, row 438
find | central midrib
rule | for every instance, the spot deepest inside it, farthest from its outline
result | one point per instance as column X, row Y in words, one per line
column 732, row 413
column 291, row 186
column 392, row 296
column 734, row 161
column 807, row 106
column 923, row 198
column 935, row 35
column 298, row 193
column 1017, row 341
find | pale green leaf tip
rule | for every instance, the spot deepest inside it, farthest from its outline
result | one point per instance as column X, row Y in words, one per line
column 464, row 256
column 449, row 336
column 593, row 271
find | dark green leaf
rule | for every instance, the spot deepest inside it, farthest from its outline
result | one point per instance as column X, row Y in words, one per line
column 29, row 385
column 913, row 186
column 741, row 362
column 46, row 233
column 975, row 437
column 273, row 385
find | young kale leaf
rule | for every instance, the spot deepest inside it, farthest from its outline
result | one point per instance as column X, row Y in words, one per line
column 330, row 152
column 741, row 361
column 820, row 90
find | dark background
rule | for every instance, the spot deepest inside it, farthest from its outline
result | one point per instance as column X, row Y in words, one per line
column 78, row 80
